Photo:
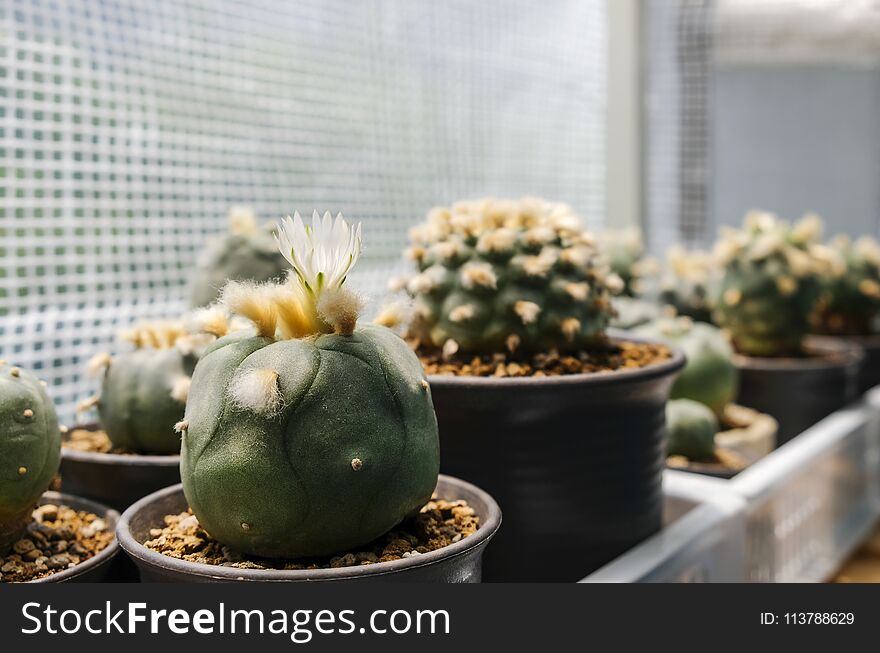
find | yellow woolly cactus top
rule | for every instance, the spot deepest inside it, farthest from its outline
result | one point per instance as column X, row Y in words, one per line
column 312, row 300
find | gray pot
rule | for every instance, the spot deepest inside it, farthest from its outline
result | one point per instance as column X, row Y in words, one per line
column 94, row 569
column 799, row 392
column 457, row 563
column 114, row 479
column 576, row 461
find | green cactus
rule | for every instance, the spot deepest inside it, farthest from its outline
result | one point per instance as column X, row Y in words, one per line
column 246, row 253
column 30, row 449
column 709, row 376
column 144, row 391
column 499, row 274
column 315, row 435
column 632, row 312
column 771, row 283
column 687, row 283
column 691, row 427
column 625, row 251
column 850, row 301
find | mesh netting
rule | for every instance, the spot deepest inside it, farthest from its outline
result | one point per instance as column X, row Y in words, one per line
column 128, row 128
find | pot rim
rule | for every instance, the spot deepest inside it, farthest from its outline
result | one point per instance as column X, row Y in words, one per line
column 106, row 513
column 489, row 525
column 669, row 366
column 127, row 459
column 848, row 353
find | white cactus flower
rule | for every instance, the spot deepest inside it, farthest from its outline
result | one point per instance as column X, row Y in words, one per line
column 321, row 254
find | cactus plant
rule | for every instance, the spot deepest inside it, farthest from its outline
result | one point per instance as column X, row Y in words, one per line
column 143, row 391
column 496, row 275
column 850, row 301
column 709, row 376
column 687, row 282
column 692, row 428
column 771, row 283
column 315, row 434
column 625, row 250
column 246, row 253
column 30, row 446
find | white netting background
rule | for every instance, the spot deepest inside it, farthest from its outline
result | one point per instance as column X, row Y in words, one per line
column 128, row 128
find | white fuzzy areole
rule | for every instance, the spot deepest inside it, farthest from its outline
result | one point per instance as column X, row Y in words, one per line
column 527, row 311
column 256, row 390
column 180, row 389
column 341, row 309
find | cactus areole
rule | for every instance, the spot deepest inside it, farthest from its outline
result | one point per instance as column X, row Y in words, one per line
column 30, row 449
column 315, row 434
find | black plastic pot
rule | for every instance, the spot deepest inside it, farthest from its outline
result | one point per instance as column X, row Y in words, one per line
column 869, row 375
column 799, row 392
column 114, row 479
column 457, row 563
column 576, row 462
column 96, row 568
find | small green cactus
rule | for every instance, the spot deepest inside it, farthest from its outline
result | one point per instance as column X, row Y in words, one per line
column 316, row 434
column 625, row 251
column 771, row 283
column 691, row 427
column 850, row 301
column 687, row 283
column 709, row 376
column 496, row 275
column 246, row 253
column 144, row 391
column 30, row 449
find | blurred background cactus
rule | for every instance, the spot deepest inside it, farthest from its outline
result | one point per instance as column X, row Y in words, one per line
column 625, row 252
column 30, row 445
column 246, row 253
column 850, row 301
column 144, row 391
column 686, row 282
column 771, row 282
column 692, row 428
column 497, row 275
column 314, row 434
column 709, row 376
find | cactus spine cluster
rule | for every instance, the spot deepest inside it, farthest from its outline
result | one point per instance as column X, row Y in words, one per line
column 30, row 448
column 502, row 275
column 850, row 301
column 314, row 434
column 771, row 283
column 709, row 376
column 246, row 253
column 144, row 391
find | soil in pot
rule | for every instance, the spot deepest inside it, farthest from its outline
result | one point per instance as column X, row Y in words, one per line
column 747, row 436
column 461, row 529
column 572, row 446
column 91, row 467
column 439, row 524
column 799, row 392
column 58, row 538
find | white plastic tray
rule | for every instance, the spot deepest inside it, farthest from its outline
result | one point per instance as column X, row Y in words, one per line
column 813, row 500
column 701, row 542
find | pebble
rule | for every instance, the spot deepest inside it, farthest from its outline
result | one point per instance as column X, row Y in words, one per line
column 97, row 526
column 188, row 522
column 23, row 546
column 46, row 512
column 60, row 561
column 33, row 555
column 347, row 560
